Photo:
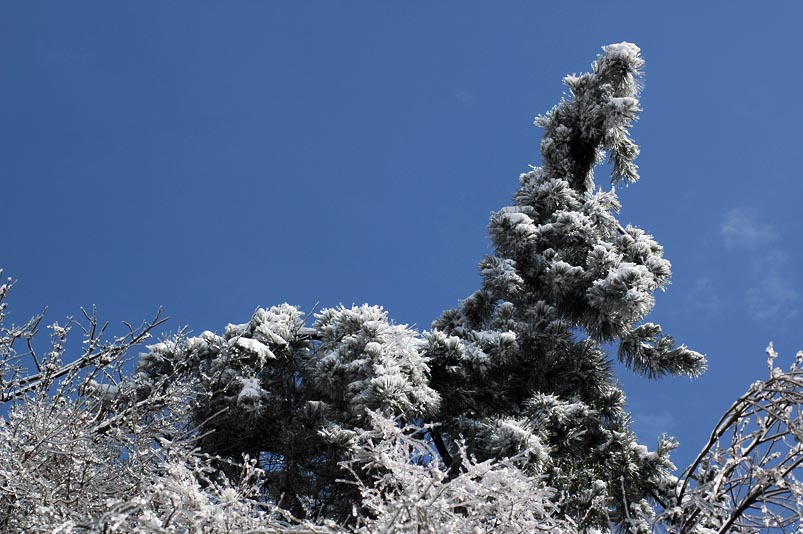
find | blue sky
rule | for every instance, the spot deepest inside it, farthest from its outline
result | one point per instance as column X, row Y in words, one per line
column 211, row 157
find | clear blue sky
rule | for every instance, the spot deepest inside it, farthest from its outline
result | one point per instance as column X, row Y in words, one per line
column 210, row 157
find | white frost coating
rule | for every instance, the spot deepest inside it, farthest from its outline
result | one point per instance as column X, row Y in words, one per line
column 369, row 362
column 624, row 102
column 513, row 216
column 251, row 392
column 412, row 496
column 254, row 346
column 195, row 343
column 517, row 218
column 104, row 391
column 264, row 333
column 233, row 330
column 623, row 49
column 373, row 348
column 210, row 337
column 507, row 337
column 158, row 347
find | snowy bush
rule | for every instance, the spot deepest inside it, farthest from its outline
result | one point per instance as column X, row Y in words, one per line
column 415, row 494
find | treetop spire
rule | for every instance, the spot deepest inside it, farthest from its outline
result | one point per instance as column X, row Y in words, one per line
column 595, row 120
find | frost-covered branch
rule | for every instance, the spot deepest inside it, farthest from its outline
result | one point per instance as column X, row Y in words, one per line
column 84, row 450
column 414, row 494
column 16, row 381
column 748, row 476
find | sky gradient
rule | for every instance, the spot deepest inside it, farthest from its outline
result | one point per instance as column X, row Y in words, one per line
column 212, row 157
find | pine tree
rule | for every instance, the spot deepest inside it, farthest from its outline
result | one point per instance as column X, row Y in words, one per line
column 297, row 397
column 521, row 364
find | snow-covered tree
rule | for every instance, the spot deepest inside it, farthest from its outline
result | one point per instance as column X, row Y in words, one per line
column 295, row 396
column 521, row 364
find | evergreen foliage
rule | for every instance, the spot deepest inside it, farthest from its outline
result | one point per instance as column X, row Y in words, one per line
column 520, row 364
column 295, row 397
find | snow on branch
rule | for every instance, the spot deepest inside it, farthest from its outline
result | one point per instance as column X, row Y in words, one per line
column 747, row 478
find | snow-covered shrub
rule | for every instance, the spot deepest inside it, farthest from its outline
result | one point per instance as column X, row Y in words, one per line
column 411, row 491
